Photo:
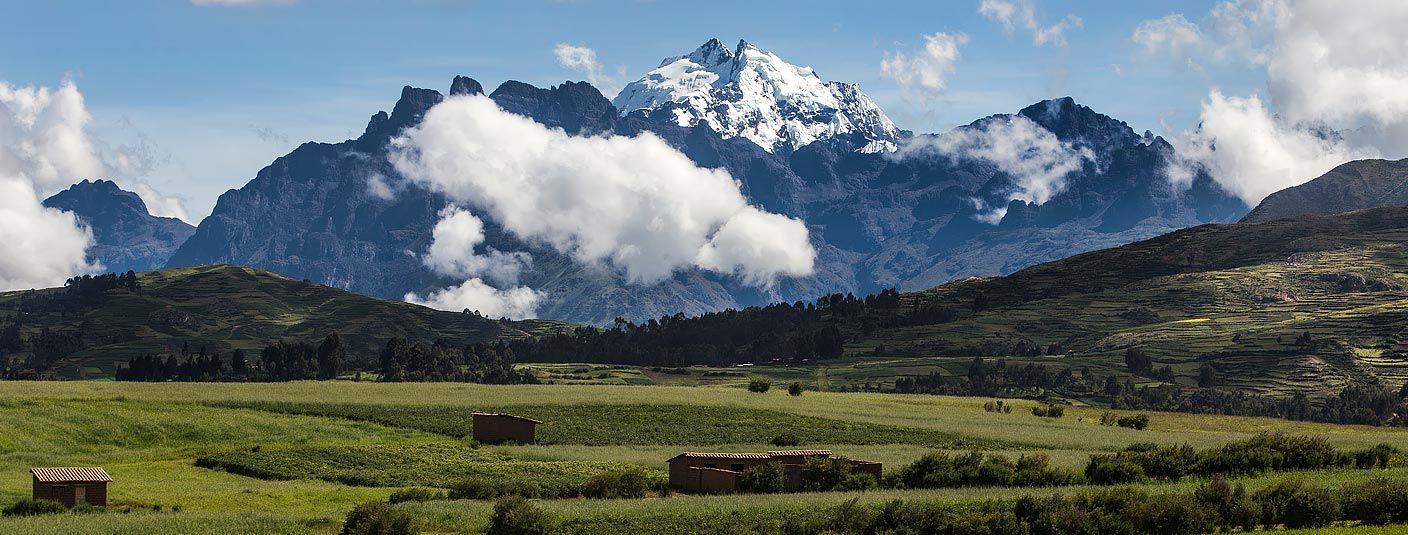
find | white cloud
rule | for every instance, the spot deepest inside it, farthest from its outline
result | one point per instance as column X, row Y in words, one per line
column 452, row 250
column 927, row 71
column 1252, row 154
column 1172, row 35
column 161, row 205
column 474, row 295
column 582, row 59
column 42, row 143
column 1335, row 79
column 1035, row 158
column 1021, row 14
column 378, row 187
column 634, row 203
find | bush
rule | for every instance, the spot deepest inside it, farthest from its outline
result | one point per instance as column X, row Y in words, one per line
column 1164, row 462
column 759, row 385
column 998, row 406
column 938, row 470
column 1049, row 411
column 29, row 507
column 481, row 488
column 858, row 481
column 1378, row 501
column 415, row 495
column 821, row 474
column 378, row 518
column 762, row 479
column 1173, row 514
column 1297, row 505
column 794, row 389
column 515, row 515
column 1234, row 507
column 1270, row 451
column 617, row 484
column 1112, row 470
column 1137, row 422
column 785, row 440
column 1380, row 456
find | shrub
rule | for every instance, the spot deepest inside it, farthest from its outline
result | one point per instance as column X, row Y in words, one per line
column 616, row 484
column 1166, row 462
column 1380, row 456
column 1137, row 422
column 1297, row 505
column 938, row 470
column 378, row 518
column 785, row 440
column 29, row 507
column 759, row 385
column 415, row 495
column 481, row 488
column 998, row 406
column 822, row 474
column 1173, row 514
column 1270, row 451
column 1112, row 470
column 794, row 389
column 1049, row 411
column 1234, row 507
column 858, row 481
column 762, row 479
column 1378, row 501
column 515, row 515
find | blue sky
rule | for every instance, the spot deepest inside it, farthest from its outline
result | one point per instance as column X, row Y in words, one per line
column 212, row 93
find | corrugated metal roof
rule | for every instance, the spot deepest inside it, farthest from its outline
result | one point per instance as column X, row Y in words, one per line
column 800, row 453
column 71, row 475
column 696, row 455
column 502, row 415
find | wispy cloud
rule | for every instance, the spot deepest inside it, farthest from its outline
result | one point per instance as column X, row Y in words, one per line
column 1021, row 15
column 583, row 60
column 926, row 71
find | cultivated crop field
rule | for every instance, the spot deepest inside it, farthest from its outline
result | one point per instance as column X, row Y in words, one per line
column 296, row 457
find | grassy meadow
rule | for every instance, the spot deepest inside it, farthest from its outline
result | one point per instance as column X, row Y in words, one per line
column 310, row 451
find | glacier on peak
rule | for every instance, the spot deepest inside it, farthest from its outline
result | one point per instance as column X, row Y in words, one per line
column 752, row 93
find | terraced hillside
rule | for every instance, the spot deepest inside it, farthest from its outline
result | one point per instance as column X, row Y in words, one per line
column 223, row 308
column 1304, row 305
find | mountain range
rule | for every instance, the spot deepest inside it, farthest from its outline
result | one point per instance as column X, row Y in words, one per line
column 884, row 207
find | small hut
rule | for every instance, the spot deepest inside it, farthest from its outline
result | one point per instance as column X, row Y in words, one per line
column 71, row 486
column 495, row 427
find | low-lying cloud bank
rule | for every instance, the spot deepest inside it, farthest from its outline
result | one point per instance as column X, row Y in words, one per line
column 628, row 203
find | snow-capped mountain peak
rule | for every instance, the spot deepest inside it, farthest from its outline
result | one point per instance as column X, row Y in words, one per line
column 752, row 93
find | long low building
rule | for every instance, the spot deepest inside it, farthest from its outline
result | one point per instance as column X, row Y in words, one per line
column 717, row 473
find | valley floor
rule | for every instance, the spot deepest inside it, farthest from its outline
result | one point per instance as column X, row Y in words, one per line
column 314, row 438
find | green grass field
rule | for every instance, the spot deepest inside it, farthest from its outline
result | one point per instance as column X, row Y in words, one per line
column 322, row 448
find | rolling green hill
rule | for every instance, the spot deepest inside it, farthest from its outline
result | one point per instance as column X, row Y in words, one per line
column 226, row 307
column 1307, row 305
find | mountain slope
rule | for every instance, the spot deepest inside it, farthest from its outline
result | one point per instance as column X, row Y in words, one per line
column 1352, row 186
column 222, row 308
column 1238, row 297
column 1311, row 306
column 126, row 236
column 340, row 214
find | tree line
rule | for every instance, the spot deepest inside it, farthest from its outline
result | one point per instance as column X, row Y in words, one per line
column 779, row 332
column 285, row 360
